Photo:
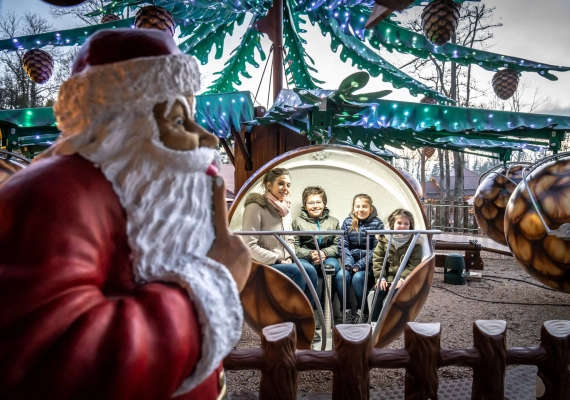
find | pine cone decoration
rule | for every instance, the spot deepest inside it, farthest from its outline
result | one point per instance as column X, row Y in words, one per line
column 439, row 20
column 38, row 65
column 109, row 18
column 491, row 200
column 428, row 152
column 505, row 83
column 545, row 257
column 428, row 100
column 154, row 17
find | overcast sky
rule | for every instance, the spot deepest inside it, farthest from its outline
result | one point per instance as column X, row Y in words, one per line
column 537, row 31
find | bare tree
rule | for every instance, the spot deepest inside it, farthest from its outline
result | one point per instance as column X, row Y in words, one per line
column 517, row 102
column 475, row 30
column 80, row 11
column 16, row 88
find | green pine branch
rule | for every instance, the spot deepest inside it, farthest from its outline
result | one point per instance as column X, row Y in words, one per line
column 394, row 37
column 296, row 66
column 237, row 64
column 205, row 36
column 367, row 59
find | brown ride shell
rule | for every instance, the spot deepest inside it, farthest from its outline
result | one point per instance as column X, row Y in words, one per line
column 545, row 257
column 491, row 200
column 270, row 298
column 407, row 303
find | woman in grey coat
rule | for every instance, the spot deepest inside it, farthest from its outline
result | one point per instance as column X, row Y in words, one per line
column 270, row 212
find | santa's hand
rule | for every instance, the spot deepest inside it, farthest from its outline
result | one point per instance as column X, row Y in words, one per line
column 228, row 249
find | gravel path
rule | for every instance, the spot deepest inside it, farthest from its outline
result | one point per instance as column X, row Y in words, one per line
column 506, row 292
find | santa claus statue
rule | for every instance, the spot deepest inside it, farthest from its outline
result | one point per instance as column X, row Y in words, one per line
column 119, row 278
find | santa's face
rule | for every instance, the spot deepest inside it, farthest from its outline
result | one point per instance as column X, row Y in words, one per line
column 177, row 129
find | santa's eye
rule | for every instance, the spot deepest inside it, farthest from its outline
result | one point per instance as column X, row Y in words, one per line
column 179, row 121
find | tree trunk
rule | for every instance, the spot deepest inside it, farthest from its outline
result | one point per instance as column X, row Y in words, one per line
column 458, row 163
column 447, row 174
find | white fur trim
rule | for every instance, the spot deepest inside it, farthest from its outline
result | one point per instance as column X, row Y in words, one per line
column 101, row 91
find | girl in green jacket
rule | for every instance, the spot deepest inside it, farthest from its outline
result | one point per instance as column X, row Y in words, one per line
column 400, row 219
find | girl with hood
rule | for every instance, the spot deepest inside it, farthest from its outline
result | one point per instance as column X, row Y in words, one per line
column 400, row 219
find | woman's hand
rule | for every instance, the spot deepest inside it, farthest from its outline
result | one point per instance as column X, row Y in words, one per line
column 400, row 282
column 228, row 249
column 384, row 285
column 355, row 270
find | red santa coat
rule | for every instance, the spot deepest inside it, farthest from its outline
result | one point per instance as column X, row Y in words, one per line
column 73, row 323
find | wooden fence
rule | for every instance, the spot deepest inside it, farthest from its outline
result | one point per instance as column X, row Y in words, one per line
column 451, row 216
column 353, row 357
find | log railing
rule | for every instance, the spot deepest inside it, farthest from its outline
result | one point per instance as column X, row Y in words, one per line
column 353, row 357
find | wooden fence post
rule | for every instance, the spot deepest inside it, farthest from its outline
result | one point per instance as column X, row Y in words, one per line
column 489, row 338
column 437, row 214
column 351, row 377
column 422, row 342
column 446, row 209
column 456, row 218
column 553, row 381
column 465, row 209
column 279, row 377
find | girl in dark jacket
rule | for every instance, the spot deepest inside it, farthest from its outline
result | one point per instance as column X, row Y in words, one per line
column 362, row 218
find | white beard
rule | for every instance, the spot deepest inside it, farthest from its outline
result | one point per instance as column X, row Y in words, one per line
column 167, row 197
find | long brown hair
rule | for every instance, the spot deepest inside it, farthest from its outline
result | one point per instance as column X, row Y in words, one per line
column 368, row 199
column 400, row 212
column 272, row 175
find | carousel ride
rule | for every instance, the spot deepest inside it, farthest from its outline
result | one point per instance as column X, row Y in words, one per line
column 368, row 124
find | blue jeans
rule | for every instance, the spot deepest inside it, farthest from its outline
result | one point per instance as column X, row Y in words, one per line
column 293, row 273
column 357, row 281
column 333, row 262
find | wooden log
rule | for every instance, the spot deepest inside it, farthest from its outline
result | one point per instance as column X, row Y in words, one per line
column 462, row 357
column 310, row 360
column 244, row 359
column 279, row 373
column 489, row 338
column 422, row 341
column 382, row 358
column 553, row 378
column 351, row 377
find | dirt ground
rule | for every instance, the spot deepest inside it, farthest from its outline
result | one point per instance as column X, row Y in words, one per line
column 506, row 292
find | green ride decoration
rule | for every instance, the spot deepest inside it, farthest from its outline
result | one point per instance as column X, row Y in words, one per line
column 345, row 115
column 204, row 26
column 349, row 117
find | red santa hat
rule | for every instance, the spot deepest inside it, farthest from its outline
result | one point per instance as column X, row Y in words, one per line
column 119, row 69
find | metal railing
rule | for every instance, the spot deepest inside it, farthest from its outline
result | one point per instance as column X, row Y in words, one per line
column 278, row 235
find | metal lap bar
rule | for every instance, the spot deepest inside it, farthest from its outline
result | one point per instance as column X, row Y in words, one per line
column 326, row 285
column 403, row 264
column 277, row 235
column 379, row 279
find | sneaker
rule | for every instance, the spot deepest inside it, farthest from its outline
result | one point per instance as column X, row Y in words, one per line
column 350, row 318
column 357, row 317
